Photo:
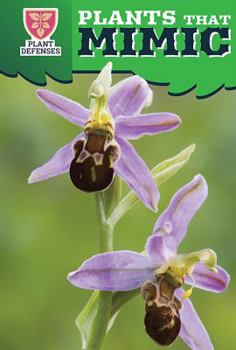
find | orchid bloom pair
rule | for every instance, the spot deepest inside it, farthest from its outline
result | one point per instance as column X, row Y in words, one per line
column 92, row 158
column 160, row 267
column 114, row 116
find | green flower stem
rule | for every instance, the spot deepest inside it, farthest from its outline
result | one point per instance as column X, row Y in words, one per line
column 102, row 317
column 105, row 230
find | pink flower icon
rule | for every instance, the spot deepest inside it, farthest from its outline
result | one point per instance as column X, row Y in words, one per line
column 40, row 23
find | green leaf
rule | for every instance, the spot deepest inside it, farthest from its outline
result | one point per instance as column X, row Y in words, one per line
column 161, row 173
column 165, row 170
column 85, row 320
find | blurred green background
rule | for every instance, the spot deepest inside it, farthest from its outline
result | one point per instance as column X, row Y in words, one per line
column 48, row 229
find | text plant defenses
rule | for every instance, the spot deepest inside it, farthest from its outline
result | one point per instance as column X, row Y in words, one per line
column 150, row 33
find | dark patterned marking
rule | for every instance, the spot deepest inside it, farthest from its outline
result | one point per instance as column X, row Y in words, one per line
column 162, row 319
column 94, row 172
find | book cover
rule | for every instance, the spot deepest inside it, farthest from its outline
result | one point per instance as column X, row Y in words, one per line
column 117, row 175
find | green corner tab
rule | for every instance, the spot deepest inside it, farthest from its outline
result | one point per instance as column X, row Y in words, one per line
column 33, row 67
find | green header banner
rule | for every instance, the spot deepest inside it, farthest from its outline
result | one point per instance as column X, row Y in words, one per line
column 186, row 44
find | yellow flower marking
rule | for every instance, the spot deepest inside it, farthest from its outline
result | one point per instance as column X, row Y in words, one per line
column 183, row 265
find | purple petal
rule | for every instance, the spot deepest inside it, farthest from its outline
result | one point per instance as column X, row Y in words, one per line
column 132, row 169
column 129, row 96
column 211, row 281
column 61, row 105
column 175, row 219
column 157, row 249
column 145, row 124
column 58, row 164
column 116, row 271
column 192, row 330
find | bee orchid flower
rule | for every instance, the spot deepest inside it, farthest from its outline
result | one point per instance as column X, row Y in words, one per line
column 102, row 149
column 161, row 272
